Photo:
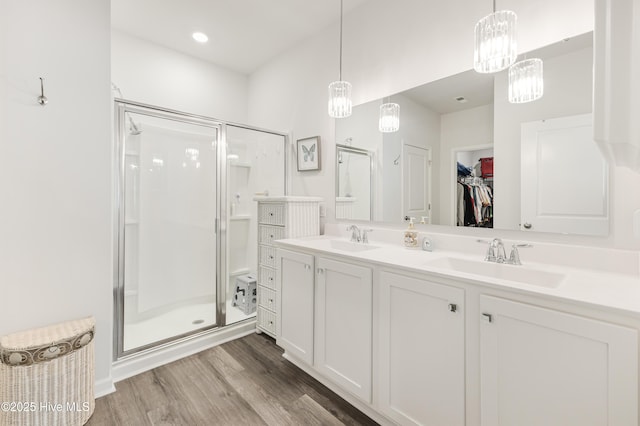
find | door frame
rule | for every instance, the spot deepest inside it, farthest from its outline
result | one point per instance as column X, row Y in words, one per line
column 453, row 176
column 121, row 107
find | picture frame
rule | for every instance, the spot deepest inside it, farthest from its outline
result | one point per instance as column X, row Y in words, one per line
column 308, row 154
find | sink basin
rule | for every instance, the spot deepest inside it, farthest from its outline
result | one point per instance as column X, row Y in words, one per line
column 349, row 246
column 518, row 273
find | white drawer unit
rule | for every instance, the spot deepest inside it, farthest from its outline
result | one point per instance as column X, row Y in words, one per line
column 278, row 218
column 267, row 298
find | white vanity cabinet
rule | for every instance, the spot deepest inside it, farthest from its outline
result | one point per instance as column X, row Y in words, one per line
column 421, row 344
column 295, row 298
column 343, row 325
column 544, row 367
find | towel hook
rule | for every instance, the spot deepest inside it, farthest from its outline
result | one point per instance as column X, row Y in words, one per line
column 42, row 99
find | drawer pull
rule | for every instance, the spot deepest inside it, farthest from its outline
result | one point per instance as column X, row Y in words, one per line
column 271, row 279
column 271, row 214
column 487, row 317
column 452, row 307
column 271, row 257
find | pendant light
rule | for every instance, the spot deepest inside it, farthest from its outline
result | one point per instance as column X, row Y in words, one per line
column 340, row 91
column 389, row 117
column 495, row 41
column 525, row 81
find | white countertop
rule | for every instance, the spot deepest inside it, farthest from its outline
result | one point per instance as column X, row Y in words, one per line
column 594, row 287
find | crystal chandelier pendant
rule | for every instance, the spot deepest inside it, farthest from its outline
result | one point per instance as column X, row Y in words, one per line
column 389, row 117
column 496, row 46
column 526, row 83
column 340, row 99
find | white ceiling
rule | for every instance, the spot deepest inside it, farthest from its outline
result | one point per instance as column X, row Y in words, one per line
column 243, row 34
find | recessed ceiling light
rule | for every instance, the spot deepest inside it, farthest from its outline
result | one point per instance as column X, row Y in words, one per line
column 200, row 37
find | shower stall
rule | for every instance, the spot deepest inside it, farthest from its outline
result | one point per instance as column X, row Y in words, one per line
column 187, row 224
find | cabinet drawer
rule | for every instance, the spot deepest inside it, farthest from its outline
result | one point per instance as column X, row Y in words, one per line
column 267, row 256
column 271, row 213
column 267, row 234
column 267, row 320
column 267, row 298
column 267, row 277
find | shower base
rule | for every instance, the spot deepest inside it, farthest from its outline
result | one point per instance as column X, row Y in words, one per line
column 178, row 321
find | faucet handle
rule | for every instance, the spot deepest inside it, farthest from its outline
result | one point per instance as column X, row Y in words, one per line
column 514, row 257
column 365, row 235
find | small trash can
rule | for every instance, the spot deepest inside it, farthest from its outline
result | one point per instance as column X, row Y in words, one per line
column 47, row 375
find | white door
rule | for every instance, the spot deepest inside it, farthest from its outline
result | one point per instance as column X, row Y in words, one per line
column 421, row 347
column 564, row 178
column 294, row 299
column 416, row 174
column 545, row 367
column 344, row 325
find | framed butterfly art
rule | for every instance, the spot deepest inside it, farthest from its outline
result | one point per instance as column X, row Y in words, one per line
column 308, row 154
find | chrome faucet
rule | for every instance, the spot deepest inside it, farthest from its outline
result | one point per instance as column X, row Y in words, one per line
column 514, row 257
column 496, row 253
column 355, row 233
column 365, row 235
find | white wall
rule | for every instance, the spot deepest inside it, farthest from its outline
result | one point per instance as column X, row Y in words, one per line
column 156, row 75
column 467, row 130
column 55, row 177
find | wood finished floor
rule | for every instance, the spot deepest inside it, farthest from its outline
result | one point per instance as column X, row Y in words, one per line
column 243, row 382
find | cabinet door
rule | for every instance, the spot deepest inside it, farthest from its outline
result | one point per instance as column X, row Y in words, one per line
column 421, row 347
column 294, row 277
column 343, row 325
column 544, row 367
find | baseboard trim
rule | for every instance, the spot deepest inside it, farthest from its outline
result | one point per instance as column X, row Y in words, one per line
column 357, row 403
column 148, row 360
column 104, row 387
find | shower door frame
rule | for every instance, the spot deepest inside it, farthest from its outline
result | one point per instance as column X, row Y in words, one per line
column 123, row 106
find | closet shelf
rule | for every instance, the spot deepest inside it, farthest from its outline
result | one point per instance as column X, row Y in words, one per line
column 239, row 217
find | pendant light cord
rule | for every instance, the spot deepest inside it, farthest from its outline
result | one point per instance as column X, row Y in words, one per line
column 340, row 68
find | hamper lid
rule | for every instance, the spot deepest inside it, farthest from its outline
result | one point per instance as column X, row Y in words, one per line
column 46, row 343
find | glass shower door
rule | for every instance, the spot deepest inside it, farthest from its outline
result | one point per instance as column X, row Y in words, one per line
column 255, row 165
column 168, row 241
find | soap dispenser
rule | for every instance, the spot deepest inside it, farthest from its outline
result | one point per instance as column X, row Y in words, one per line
column 411, row 235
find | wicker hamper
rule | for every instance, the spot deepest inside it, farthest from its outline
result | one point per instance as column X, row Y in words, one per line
column 47, row 375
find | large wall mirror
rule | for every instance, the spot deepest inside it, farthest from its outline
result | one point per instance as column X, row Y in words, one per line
column 532, row 166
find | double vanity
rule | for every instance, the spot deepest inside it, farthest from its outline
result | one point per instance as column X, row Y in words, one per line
column 445, row 337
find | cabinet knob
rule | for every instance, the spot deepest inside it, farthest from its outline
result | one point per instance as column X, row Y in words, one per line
column 271, row 214
column 452, row 307
column 271, row 236
column 527, row 226
column 320, row 270
column 271, row 257
column 307, row 267
column 487, row 317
